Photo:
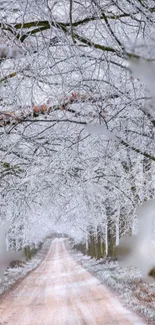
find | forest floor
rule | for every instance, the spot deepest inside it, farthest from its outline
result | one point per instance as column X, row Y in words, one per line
column 60, row 291
column 126, row 283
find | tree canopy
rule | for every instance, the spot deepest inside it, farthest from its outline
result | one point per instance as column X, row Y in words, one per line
column 76, row 116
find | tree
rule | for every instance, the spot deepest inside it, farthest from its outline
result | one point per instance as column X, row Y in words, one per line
column 76, row 66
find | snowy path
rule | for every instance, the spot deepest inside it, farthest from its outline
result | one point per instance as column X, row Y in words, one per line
column 61, row 292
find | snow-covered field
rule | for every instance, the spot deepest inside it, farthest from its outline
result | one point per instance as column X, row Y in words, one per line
column 134, row 293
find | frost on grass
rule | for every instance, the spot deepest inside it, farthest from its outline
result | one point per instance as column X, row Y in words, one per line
column 137, row 250
column 134, row 293
column 12, row 275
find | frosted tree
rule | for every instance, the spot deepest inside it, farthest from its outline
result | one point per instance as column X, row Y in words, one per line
column 67, row 66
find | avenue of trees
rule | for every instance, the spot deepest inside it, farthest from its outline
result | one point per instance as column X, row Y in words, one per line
column 77, row 119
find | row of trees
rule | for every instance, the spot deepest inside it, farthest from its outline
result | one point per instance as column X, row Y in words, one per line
column 66, row 65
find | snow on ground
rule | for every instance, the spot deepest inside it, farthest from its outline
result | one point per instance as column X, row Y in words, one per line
column 134, row 293
column 12, row 275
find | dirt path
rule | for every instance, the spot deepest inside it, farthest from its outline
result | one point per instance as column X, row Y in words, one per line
column 61, row 292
